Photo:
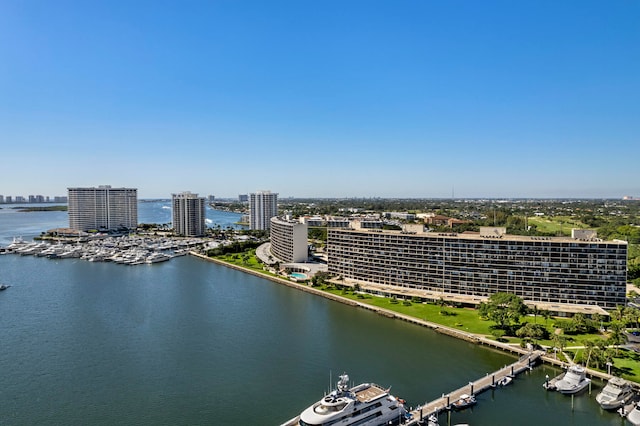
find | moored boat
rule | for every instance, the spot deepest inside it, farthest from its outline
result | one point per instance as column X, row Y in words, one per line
column 464, row 401
column 506, row 380
column 366, row 404
column 633, row 416
column 574, row 380
column 157, row 257
column 615, row 394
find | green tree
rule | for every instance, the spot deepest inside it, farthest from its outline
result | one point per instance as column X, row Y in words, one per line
column 533, row 332
column 595, row 352
column 505, row 309
column 599, row 353
column 631, row 317
column 618, row 313
column 634, row 272
column 596, row 320
column 580, row 324
column 559, row 342
column 535, row 311
column 545, row 314
column 616, row 334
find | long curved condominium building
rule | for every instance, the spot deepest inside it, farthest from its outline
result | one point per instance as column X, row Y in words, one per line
column 103, row 207
column 554, row 272
column 288, row 240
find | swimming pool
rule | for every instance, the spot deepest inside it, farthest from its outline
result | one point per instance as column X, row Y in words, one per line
column 298, row 275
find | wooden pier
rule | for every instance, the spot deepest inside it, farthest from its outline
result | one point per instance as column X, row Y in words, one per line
column 422, row 413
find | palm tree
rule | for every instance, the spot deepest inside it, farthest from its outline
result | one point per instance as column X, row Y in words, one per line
column 618, row 313
column 535, row 311
column 616, row 334
column 596, row 321
column 631, row 316
column 598, row 355
column 589, row 346
column 559, row 342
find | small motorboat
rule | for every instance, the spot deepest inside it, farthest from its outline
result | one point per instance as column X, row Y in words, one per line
column 465, row 401
column 4, row 287
column 506, row 380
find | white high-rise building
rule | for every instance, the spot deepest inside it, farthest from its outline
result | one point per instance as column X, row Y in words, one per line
column 263, row 205
column 188, row 214
column 103, row 208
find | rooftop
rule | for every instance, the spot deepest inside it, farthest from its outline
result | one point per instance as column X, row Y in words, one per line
column 477, row 236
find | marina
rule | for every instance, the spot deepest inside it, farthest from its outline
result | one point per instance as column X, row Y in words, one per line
column 128, row 250
column 464, row 396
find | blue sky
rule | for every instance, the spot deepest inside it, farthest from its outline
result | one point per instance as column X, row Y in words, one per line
column 321, row 98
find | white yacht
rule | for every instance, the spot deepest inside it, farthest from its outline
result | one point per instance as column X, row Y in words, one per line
column 157, row 257
column 367, row 404
column 615, row 394
column 574, row 380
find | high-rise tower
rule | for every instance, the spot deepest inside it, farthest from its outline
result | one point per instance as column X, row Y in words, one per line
column 188, row 214
column 263, row 205
column 103, row 208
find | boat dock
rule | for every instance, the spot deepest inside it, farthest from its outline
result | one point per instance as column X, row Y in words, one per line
column 422, row 413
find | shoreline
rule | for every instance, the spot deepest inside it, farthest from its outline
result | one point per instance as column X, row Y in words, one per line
column 449, row 331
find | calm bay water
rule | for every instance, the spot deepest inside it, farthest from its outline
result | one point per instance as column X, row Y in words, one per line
column 188, row 342
column 31, row 224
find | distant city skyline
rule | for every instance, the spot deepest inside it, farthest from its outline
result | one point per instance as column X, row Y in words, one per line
column 336, row 99
column 63, row 199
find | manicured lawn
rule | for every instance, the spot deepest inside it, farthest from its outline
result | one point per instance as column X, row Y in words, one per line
column 460, row 318
column 627, row 365
column 250, row 263
column 465, row 319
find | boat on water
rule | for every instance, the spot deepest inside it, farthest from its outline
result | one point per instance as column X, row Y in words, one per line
column 464, row 401
column 506, row 380
column 157, row 257
column 366, row 404
column 574, row 380
column 633, row 416
column 4, row 287
column 615, row 394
